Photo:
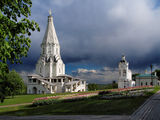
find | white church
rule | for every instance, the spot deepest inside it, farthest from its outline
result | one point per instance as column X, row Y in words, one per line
column 125, row 77
column 125, row 74
column 50, row 74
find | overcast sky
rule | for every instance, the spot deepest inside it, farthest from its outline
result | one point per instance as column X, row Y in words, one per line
column 93, row 34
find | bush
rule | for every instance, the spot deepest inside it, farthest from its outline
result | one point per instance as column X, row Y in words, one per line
column 44, row 102
column 104, row 92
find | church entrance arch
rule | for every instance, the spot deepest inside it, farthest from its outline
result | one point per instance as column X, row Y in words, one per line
column 34, row 90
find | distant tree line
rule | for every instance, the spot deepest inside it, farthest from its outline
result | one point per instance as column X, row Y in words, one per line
column 94, row 86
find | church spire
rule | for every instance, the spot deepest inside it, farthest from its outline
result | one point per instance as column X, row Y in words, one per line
column 50, row 34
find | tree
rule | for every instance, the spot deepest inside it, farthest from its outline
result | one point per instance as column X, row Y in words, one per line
column 114, row 84
column 15, row 29
column 92, row 86
column 158, row 72
column 14, row 84
column 134, row 76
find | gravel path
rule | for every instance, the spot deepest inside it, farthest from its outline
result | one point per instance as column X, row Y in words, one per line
column 4, row 106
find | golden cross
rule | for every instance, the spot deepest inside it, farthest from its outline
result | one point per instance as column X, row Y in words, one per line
column 50, row 12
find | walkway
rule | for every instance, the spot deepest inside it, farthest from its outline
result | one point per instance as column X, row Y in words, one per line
column 150, row 110
column 4, row 106
column 67, row 117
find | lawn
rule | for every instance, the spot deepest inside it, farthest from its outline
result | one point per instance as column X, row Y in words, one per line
column 88, row 106
column 19, row 99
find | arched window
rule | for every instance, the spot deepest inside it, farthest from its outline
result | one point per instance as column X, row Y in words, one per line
column 124, row 72
column 141, row 84
column 34, row 90
column 29, row 91
column 146, row 83
column 40, row 69
column 56, row 50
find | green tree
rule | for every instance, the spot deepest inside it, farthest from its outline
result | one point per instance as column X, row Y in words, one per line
column 134, row 76
column 92, row 86
column 157, row 72
column 114, row 84
column 14, row 84
column 15, row 30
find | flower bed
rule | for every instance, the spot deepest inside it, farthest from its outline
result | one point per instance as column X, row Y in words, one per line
column 127, row 92
column 53, row 99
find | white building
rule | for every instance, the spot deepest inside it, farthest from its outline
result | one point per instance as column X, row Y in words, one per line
column 147, row 79
column 125, row 74
column 50, row 74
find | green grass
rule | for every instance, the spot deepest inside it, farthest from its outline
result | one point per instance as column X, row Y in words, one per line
column 90, row 106
column 19, row 99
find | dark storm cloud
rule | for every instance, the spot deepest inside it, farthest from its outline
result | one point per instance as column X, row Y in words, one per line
column 100, row 31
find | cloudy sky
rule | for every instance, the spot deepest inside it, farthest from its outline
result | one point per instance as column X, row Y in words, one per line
column 93, row 35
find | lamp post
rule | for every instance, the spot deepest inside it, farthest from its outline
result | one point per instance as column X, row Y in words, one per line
column 151, row 66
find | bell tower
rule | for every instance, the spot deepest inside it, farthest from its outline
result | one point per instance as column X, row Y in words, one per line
column 125, row 75
column 50, row 63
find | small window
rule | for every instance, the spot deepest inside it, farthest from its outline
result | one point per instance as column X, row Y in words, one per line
column 59, row 80
column 55, row 80
column 146, row 83
column 39, row 82
column 82, row 82
column 124, row 72
column 141, row 84
column 151, row 83
column 30, row 80
column 63, row 80
column 34, row 80
column 52, row 80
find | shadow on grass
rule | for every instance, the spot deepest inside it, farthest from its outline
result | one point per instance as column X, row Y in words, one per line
column 90, row 106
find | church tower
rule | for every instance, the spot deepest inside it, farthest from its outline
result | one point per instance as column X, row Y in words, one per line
column 125, row 75
column 50, row 63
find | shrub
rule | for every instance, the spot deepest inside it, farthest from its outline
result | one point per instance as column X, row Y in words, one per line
column 45, row 102
column 104, row 92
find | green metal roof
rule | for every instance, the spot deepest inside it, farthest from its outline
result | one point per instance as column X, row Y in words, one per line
column 145, row 75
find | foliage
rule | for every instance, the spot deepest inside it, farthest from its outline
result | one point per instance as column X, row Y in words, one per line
column 15, row 29
column 14, row 84
column 134, row 76
column 158, row 72
column 104, row 92
column 92, row 86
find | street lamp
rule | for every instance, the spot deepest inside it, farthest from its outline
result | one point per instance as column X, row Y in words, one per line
column 151, row 66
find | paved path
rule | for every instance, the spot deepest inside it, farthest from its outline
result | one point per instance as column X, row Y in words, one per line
column 4, row 106
column 68, row 117
column 150, row 110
